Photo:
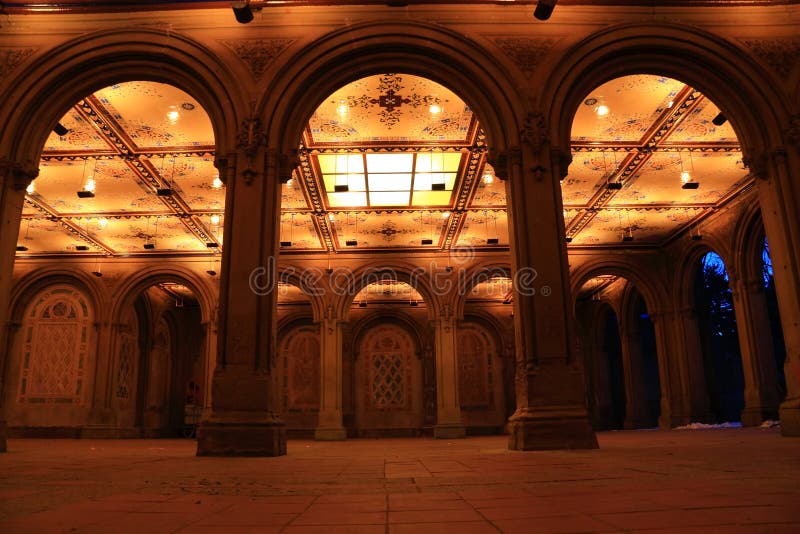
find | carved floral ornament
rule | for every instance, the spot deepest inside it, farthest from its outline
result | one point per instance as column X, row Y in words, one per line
column 10, row 58
column 258, row 54
column 527, row 53
column 781, row 55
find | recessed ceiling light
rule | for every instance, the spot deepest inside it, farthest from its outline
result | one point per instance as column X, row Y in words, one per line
column 102, row 222
column 216, row 183
column 435, row 109
column 30, row 189
column 173, row 116
column 215, row 219
column 602, row 110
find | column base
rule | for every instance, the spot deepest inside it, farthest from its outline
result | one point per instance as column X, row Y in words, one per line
column 757, row 415
column 216, row 438
column 330, row 434
column 790, row 417
column 449, row 431
column 535, row 431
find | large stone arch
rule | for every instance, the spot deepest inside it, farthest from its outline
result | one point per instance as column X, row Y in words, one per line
column 305, row 280
column 655, row 296
column 746, row 243
column 131, row 287
column 683, row 281
column 62, row 76
column 722, row 71
column 467, row 281
column 359, row 50
column 27, row 287
column 353, row 282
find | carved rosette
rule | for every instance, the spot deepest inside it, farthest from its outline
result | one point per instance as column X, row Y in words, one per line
column 781, row 55
column 10, row 58
column 527, row 53
column 258, row 54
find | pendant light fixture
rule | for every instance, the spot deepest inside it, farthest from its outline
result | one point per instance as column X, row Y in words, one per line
column 89, row 184
column 612, row 186
column 166, row 189
column 687, row 181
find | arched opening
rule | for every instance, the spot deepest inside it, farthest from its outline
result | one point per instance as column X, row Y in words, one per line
column 621, row 360
column 296, row 375
column 722, row 360
column 49, row 374
column 389, row 371
column 127, row 184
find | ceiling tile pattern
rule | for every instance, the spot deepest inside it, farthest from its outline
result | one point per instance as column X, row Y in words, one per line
column 372, row 158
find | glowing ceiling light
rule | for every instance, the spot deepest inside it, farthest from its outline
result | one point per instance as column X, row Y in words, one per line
column 30, row 189
column 671, row 103
column 331, row 217
column 290, row 182
column 445, row 214
column 173, row 116
column 102, row 222
column 488, row 178
column 90, row 185
column 342, row 109
column 602, row 110
column 686, row 177
column 215, row 219
column 216, row 183
column 435, row 109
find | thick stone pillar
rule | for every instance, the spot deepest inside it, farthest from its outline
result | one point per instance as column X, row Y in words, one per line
column 13, row 181
column 330, row 425
column 635, row 398
column 758, row 358
column 448, row 409
column 777, row 174
column 243, row 420
column 678, row 341
column 551, row 404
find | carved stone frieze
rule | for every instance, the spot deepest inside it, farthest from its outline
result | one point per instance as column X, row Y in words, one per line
column 534, row 131
column 258, row 54
column 10, row 58
column 527, row 53
column 781, row 55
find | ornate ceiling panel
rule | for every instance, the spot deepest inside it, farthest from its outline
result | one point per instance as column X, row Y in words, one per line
column 388, row 292
column 397, row 109
column 372, row 158
column 497, row 289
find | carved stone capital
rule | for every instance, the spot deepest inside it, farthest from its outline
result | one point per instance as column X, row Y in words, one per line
column 17, row 175
column 503, row 161
column 758, row 165
column 561, row 161
column 792, row 132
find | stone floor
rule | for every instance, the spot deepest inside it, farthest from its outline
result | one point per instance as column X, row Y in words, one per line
column 733, row 480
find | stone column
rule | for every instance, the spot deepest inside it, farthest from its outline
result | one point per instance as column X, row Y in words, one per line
column 551, row 404
column 776, row 173
column 683, row 385
column 13, row 181
column 242, row 420
column 448, row 409
column 635, row 398
column 330, row 425
column 758, row 357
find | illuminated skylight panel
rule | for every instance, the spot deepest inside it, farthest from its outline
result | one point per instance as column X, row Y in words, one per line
column 389, row 179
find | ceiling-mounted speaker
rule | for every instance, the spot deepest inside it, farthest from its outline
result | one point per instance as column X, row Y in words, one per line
column 719, row 120
column 690, row 185
column 242, row 12
column 614, row 186
column 81, row 247
column 427, row 241
column 60, row 129
column 544, row 8
column 351, row 242
column 492, row 241
column 149, row 246
column 164, row 192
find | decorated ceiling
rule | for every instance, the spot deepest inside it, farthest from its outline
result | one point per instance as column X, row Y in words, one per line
column 388, row 162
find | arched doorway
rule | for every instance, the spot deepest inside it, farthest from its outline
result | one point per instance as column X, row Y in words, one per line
column 713, row 305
